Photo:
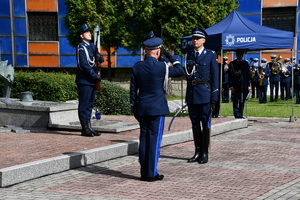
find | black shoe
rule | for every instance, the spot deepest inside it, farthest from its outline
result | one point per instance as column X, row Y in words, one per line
column 155, row 178
column 143, row 178
column 240, row 117
column 203, row 159
column 85, row 129
column 195, row 158
column 92, row 130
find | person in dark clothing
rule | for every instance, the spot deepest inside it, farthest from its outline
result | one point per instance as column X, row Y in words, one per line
column 149, row 104
column 225, row 81
column 202, row 92
column 86, row 79
column 239, row 78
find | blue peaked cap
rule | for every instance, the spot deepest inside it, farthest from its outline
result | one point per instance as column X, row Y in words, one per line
column 83, row 28
column 154, row 43
column 199, row 32
column 149, row 35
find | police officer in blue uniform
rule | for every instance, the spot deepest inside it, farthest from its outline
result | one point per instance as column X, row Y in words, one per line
column 225, row 81
column 263, row 80
column 285, row 80
column 296, row 68
column 274, row 79
column 202, row 73
column 239, row 78
column 254, row 78
column 149, row 104
column 86, row 79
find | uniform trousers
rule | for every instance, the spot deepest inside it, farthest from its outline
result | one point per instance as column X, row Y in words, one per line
column 272, row 86
column 86, row 95
column 225, row 93
column 200, row 113
column 263, row 93
column 238, row 102
column 285, row 88
column 151, row 131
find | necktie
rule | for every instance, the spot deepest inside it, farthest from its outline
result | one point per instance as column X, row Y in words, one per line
column 197, row 54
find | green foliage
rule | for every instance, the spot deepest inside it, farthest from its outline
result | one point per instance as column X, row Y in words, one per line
column 61, row 87
column 126, row 22
column 45, row 86
column 112, row 99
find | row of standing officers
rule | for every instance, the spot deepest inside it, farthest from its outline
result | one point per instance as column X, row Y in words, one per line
column 275, row 76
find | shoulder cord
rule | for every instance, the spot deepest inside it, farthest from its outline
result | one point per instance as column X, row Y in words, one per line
column 166, row 78
column 189, row 75
column 91, row 62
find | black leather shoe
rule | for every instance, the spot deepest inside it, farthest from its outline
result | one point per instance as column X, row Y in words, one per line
column 155, row 178
column 85, row 129
column 92, row 130
column 195, row 158
column 143, row 178
column 203, row 159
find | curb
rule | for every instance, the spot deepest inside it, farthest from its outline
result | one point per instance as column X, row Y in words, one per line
column 24, row 172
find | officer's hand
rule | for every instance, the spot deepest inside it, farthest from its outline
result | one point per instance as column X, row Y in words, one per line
column 99, row 58
column 161, row 58
column 213, row 105
column 166, row 52
column 98, row 78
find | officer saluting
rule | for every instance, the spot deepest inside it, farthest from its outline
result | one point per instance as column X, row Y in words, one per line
column 149, row 104
column 202, row 92
column 86, row 79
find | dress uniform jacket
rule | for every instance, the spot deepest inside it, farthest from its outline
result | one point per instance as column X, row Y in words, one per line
column 296, row 75
column 266, row 76
column 288, row 73
column 85, row 62
column 147, row 95
column 239, row 71
column 203, row 68
column 273, row 77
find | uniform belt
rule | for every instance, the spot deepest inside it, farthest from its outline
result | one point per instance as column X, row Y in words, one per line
column 197, row 82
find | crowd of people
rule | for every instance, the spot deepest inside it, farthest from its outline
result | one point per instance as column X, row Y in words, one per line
column 273, row 76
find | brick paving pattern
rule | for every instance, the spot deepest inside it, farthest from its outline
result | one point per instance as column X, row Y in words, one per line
column 258, row 162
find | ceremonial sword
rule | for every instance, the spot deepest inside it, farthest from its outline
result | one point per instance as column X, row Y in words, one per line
column 175, row 116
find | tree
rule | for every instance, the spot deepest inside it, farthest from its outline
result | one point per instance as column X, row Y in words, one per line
column 125, row 22
column 112, row 23
column 171, row 20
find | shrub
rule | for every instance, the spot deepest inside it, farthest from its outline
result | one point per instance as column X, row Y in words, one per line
column 112, row 99
column 61, row 87
column 46, row 86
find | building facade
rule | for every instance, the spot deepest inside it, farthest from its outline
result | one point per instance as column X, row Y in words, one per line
column 33, row 35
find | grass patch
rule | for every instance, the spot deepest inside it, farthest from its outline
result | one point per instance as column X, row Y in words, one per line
column 281, row 109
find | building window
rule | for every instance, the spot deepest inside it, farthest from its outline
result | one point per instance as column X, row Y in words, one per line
column 283, row 18
column 43, row 26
